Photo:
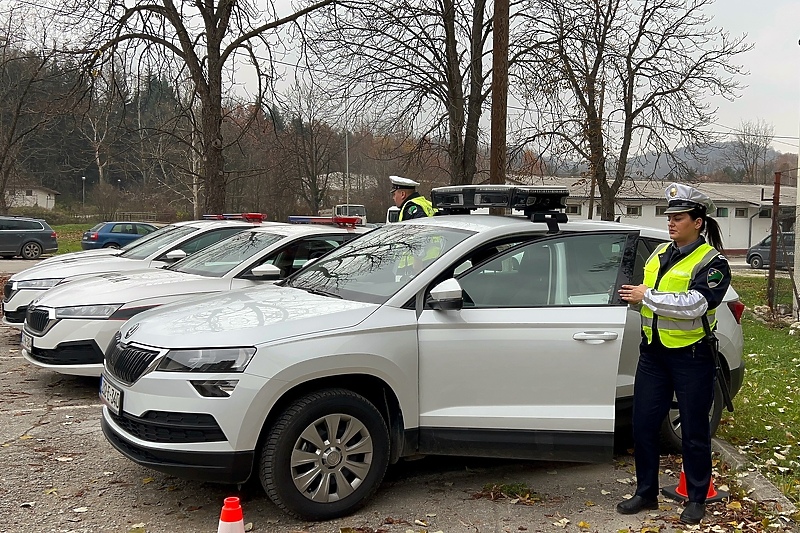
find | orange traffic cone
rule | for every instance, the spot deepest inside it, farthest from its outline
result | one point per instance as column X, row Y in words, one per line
column 679, row 493
column 231, row 519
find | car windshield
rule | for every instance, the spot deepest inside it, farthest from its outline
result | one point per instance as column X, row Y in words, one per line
column 151, row 244
column 218, row 259
column 373, row 267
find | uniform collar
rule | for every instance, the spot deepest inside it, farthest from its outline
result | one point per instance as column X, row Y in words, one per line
column 689, row 248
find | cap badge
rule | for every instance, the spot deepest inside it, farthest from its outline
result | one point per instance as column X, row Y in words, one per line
column 673, row 191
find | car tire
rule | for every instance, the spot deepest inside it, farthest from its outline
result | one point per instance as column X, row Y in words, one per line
column 756, row 262
column 326, row 480
column 31, row 250
column 111, row 245
column 671, row 427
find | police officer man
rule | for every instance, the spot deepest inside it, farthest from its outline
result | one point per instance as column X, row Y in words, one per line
column 684, row 281
column 411, row 203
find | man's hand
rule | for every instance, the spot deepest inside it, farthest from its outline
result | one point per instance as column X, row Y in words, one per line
column 633, row 294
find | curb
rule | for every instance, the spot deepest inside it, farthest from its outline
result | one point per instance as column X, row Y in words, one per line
column 757, row 486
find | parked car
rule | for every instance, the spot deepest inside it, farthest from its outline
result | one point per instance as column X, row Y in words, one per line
column 758, row 254
column 471, row 335
column 168, row 247
column 28, row 238
column 69, row 326
column 114, row 234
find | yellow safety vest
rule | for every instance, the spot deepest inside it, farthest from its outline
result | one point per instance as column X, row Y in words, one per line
column 422, row 202
column 676, row 332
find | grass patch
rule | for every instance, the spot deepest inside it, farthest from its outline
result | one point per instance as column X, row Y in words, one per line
column 69, row 237
column 766, row 421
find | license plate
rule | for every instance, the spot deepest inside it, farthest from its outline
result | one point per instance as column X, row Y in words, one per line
column 110, row 395
column 27, row 342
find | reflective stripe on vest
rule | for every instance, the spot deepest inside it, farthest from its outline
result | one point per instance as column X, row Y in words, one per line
column 422, row 202
column 676, row 332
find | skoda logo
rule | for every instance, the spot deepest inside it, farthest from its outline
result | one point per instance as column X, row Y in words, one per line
column 130, row 331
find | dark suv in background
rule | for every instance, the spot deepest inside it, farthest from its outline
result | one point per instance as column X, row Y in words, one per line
column 25, row 237
column 758, row 254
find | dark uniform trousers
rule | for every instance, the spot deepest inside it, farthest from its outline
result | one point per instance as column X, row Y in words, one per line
column 690, row 373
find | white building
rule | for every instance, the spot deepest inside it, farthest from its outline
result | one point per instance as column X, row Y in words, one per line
column 31, row 196
column 744, row 212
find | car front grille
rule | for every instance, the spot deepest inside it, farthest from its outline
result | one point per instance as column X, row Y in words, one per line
column 86, row 353
column 167, row 427
column 38, row 320
column 128, row 363
column 15, row 317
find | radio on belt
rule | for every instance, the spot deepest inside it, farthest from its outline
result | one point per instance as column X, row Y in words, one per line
column 539, row 203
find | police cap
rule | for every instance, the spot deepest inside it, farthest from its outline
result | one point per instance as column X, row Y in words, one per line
column 683, row 198
column 398, row 182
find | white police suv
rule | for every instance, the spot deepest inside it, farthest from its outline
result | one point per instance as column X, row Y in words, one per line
column 69, row 326
column 462, row 334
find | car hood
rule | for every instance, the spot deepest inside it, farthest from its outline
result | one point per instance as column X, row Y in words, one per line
column 125, row 287
column 79, row 256
column 244, row 317
column 88, row 265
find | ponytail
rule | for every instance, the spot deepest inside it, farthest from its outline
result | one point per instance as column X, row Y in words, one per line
column 713, row 233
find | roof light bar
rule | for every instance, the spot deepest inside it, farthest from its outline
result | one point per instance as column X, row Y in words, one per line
column 539, row 202
column 336, row 220
column 249, row 217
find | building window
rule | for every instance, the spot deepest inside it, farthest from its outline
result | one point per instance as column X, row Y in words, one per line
column 722, row 212
column 29, row 192
column 598, row 211
column 573, row 209
column 633, row 210
column 765, row 213
column 660, row 210
column 740, row 212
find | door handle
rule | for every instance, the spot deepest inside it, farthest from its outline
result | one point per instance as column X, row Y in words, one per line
column 595, row 336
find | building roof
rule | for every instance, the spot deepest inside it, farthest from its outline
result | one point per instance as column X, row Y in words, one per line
column 653, row 190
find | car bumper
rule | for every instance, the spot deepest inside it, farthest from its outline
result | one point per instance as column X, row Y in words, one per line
column 218, row 467
column 73, row 347
column 736, row 379
column 90, row 245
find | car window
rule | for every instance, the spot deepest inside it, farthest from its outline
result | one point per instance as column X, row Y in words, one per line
column 122, row 228
column 219, row 258
column 141, row 229
column 296, row 254
column 562, row 271
column 374, row 266
column 96, row 227
column 31, row 225
column 642, row 255
column 198, row 243
column 145, row 249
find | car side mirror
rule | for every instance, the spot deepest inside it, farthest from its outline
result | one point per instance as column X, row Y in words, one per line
column 266, row 272
column 175, row 255
column 446, row 296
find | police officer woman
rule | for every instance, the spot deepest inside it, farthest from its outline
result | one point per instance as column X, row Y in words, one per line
column 683, row 281
column 411, row 203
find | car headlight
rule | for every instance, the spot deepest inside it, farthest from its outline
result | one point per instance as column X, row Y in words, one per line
column 36, row 283
column 207, row 360
column 98, row 312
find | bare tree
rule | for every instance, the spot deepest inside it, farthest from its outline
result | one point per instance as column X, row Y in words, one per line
column 749, row 147
column 418, row 65
column 209, row 40
column 613, row 77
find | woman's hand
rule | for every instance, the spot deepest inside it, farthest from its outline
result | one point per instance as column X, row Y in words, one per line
column 633, row 294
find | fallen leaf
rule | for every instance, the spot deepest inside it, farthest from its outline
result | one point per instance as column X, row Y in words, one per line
column 26, row 504
column 81, row 509
column 147, row 480
column 51, row 491
column 734, row 506
column 583, row 525
column 137, row 528
column 26, row 437
column 63, row 459
column 563, row 522
column 605, row 492
column 590, row 503
column 420, row 523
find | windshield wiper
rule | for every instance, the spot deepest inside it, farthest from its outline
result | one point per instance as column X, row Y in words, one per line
column 319, row 292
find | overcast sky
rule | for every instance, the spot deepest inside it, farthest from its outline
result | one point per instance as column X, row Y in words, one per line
column 773, row 86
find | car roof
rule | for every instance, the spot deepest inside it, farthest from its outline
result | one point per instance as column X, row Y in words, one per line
column 299, row 230
column 521, row 224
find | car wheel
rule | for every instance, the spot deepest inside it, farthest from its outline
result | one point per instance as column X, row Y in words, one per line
column 111, row 245
column 31, row 250
column 756, row 262
column 325, row 455
column 671, row 427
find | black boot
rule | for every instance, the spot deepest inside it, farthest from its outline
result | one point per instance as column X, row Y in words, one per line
column 636, row 504
column 693, row 513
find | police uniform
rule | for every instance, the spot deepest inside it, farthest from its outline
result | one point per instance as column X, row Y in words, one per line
column 684, row 283
column 416, row 205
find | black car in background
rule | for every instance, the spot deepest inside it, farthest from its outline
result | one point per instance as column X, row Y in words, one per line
column 758, row 254
column 28, row 238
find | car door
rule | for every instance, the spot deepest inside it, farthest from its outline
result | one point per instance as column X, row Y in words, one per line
column 8, row 244
column 528, row 367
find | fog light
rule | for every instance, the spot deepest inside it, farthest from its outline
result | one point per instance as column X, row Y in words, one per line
column 215, row 388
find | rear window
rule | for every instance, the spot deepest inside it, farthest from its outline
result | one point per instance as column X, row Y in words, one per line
column 97, row 227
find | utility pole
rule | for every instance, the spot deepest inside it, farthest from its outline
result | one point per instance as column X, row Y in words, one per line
column 498, row 150
column 773, row 243
column 796, row 269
